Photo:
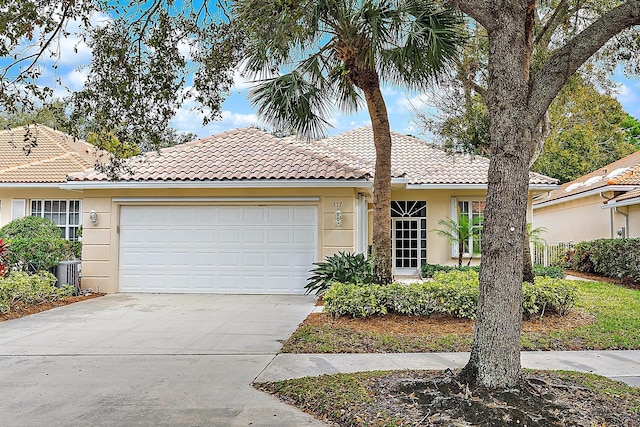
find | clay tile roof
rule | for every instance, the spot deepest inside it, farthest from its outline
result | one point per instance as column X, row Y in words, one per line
column 239, row 154
column 623, row 172
column 633, row 194
column 413, row 159
column 39, row 154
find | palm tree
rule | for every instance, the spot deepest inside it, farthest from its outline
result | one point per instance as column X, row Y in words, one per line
column 312, row 55
column 460, row 233
column 531, row 235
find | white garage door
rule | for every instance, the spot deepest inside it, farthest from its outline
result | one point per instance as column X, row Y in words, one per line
column 217, row 249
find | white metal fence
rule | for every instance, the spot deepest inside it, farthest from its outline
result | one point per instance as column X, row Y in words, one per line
column 549, row 252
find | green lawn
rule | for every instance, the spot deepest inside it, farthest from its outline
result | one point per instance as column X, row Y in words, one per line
column 617, row 326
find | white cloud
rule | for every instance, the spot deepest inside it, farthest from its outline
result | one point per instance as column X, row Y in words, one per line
column 71, row 50
column 629, row 93
column 388, row 91
column 241, row 83
column 75, row 79
column 188, row 119
column 414, row 102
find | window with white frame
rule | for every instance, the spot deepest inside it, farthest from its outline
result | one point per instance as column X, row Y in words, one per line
column 66, row 214
column 472, row 210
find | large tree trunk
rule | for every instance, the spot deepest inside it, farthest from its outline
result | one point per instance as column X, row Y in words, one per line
column 382, row 265
column 516, row 106
column 495, row 355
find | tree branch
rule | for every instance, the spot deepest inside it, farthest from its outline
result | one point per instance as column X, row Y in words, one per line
column 55, row 33
column 480, row 10
column 546, row 84
column 553, row 22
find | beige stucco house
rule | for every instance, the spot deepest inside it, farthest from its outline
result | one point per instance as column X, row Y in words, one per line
column 34, row 161
column 602, row 204
column 247, row 212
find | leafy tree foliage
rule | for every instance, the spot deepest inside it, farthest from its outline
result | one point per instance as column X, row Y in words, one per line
column 581, row 138
column 631, row 128
column 587, row 132
column 138, row 74
column 313, row 55
column 51, row 114
column 30, row 33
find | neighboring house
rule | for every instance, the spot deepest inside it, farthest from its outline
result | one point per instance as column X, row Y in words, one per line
column 247, row 212
column 602, row 204
column 34, row 161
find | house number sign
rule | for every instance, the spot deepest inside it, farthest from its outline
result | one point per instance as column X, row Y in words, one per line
column 337, row 205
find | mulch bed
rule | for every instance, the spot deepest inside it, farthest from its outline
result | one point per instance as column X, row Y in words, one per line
column 441, row 324
column 22, row 311
column 436, row 398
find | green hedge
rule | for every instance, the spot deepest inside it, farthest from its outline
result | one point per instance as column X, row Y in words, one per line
column 428, row 270
column 616, row 258
column 20, row 289
column 551, row 271
column 454, row 293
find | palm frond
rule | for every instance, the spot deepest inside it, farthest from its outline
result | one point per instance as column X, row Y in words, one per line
column 291, row 102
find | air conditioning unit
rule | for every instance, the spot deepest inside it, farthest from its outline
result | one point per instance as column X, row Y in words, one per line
column 68, row 273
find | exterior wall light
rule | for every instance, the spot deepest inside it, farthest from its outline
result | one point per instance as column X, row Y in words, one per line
column 338, row 218
column 93, row 217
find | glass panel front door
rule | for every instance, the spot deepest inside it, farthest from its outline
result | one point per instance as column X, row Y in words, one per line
column 406, row 245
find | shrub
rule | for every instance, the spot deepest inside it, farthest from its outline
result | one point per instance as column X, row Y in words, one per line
column 616, row 258
column 454, row 293
column 428, row 270
column 555, row 295
column 341, row 267
column 551, row 271
column 20, row 289
column 408, row 299
column 3, row 253
column 36, row 244
column 355, row 300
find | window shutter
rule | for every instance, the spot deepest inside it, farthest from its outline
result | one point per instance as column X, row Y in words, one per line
column 18, row 208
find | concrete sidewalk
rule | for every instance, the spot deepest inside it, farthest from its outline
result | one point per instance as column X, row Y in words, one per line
column 621, row 365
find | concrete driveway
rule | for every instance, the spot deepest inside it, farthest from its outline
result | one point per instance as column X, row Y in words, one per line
column 133, row 359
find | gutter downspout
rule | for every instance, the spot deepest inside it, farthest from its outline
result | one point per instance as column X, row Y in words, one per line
column 610, row 215
column 626, row 221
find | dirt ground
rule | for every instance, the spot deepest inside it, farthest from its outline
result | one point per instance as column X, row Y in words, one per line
column 438, row 324
column 18, row 312
column 436, row 398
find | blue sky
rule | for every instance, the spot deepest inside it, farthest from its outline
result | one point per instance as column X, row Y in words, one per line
column 74, row 55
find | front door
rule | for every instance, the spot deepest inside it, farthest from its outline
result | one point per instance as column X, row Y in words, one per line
column 406, row 246
column 409, row 236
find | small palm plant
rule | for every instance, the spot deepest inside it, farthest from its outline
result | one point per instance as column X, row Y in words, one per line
column 342, row 267
column 460, row 233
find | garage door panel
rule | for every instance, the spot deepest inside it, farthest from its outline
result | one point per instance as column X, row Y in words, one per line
column 279, row 216
column 253, row 236
column 304, row 216
column 304, row 237
column 217, row 249
column 229, row 236
column 230, row 216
